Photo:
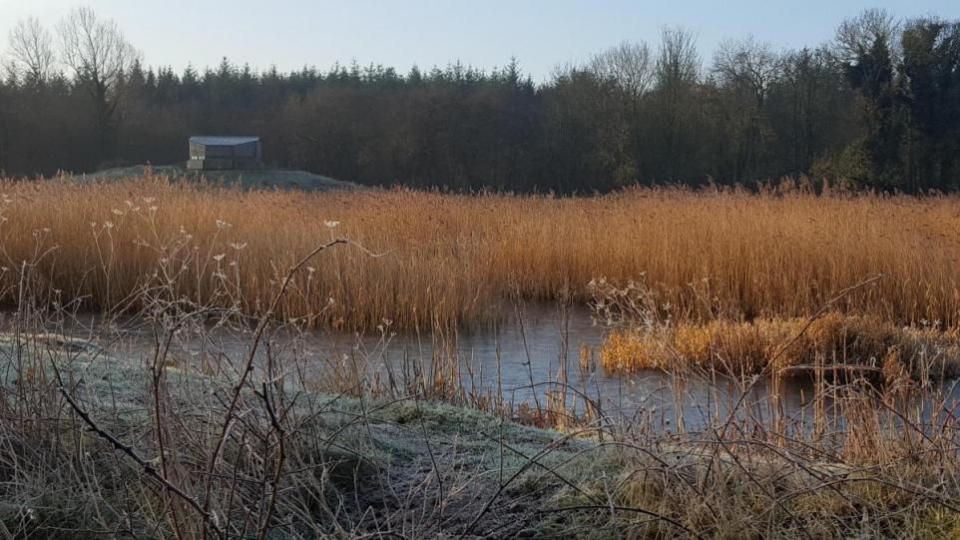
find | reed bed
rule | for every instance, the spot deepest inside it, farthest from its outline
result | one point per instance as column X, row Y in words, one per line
column 445, row 259
column 862, row 342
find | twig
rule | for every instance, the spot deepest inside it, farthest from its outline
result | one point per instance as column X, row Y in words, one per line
column 823, row 309
column 278, row 471
column 535, row 460
column 654, row 515
column 147, row 467
column 248, row 365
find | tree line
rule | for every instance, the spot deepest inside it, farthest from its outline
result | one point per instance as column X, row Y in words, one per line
column 877, row 106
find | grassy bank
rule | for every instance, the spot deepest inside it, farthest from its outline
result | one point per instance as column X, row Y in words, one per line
column 446, row 259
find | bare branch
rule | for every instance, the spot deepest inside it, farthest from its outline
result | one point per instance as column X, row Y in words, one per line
column 628, row 64
column 31, row 49
column 95, row 50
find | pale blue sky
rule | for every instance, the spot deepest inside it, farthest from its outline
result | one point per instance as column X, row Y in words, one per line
column 540, row 33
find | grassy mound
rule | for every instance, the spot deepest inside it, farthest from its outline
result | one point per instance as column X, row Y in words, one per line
column 249, row 179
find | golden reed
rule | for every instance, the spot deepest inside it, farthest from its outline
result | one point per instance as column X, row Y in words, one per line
column 451, row 259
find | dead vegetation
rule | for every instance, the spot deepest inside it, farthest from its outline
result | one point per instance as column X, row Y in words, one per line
column 229, row 443
column 452, row 259
column 866, row 343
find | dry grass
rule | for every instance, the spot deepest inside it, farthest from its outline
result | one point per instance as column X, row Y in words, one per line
column 749, row 347
column 297, row 464
column 452, row 259
column 238, row 442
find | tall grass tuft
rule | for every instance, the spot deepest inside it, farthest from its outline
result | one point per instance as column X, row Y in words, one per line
column 750, row 347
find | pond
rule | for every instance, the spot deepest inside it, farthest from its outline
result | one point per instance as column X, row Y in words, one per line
column 521, row 359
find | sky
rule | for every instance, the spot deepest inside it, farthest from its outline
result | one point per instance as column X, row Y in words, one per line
column 541, row 34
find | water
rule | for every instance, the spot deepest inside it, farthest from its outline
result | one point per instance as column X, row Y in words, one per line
column 519, row 359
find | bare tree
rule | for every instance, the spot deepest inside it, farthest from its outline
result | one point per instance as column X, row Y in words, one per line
column 678, row 64
column 100, row 56
column 31, row 49
column 629, row 64
column 677, row 73
column 857, row 35
column 747, row 64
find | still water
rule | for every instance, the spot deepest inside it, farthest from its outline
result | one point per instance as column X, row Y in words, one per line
column 520, row 359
